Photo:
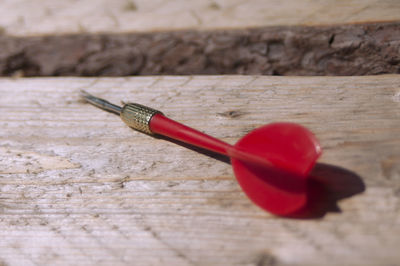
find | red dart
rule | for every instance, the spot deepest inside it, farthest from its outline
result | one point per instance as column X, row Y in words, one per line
column 271, row 163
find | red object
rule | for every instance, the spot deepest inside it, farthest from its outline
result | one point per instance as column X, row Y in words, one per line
column 271, row 163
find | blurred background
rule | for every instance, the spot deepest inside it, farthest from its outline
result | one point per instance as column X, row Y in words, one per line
column 138, row 37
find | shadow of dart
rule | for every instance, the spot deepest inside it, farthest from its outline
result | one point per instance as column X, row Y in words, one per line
column 327, row 185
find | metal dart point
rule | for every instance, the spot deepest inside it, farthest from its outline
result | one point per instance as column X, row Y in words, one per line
column 101, row 103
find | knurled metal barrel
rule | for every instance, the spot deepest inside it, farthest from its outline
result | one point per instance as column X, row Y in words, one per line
column 138, row 116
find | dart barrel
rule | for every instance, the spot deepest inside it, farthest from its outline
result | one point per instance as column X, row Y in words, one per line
column 138, row 116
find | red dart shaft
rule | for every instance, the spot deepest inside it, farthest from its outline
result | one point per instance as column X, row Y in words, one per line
column 162, row 125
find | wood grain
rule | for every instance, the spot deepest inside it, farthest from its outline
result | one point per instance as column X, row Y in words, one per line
column 33, row 17
column 79, row 187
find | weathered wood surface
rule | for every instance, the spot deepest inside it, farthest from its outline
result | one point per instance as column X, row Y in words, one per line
column 27, row 17
column 79, row 187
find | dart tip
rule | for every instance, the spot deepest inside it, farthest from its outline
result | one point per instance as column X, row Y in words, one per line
column 84, row 94
column 100, row 103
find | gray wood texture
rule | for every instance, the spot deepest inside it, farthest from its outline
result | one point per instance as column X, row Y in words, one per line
column 78, row 187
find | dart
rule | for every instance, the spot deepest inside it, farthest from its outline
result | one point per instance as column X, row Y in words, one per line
column 271, row 163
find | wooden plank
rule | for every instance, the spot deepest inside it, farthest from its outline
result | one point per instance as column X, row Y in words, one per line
column 27, row 17
column 79, row 187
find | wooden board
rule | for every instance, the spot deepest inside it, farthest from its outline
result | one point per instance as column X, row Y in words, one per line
column 77, row 187
column 27, row 17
